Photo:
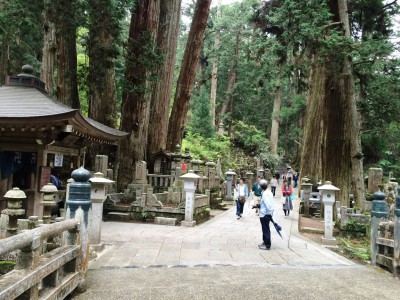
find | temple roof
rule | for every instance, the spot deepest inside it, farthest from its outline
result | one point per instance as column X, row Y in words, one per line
column 25, row 105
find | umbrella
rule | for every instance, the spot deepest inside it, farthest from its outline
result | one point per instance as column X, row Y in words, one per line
column 278, row 228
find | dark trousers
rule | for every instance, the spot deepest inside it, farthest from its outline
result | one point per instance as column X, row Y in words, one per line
column 273, row 190
column 239, row 208
column 265, row 229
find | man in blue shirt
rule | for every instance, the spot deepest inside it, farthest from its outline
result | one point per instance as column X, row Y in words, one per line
column 266, row 211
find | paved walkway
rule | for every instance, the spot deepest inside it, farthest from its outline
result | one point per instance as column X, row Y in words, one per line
column 220, row 260
column 223, row 240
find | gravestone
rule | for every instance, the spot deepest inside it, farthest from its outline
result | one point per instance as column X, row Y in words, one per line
column 375, row 176
column 101, row 164
column 140, row 173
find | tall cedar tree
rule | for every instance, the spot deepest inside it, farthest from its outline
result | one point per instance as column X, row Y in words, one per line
column 49, row 48
column 187, row 74
column 3, row 53
column 167, row 39
column 66, row 24
column 136, row 101
column 331, row 142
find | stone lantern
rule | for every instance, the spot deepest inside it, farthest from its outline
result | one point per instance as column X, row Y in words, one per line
column 98, row 195
column 189, row 186
column 260, row 173
column 328, row 198
column 15, row 198
column 176, row 158
column 379, row 212
column 195, row 164
column 229, row 179
column 306, row 188
column 49, row 192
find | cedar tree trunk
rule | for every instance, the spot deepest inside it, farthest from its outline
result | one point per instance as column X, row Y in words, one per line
column 167, row 39
column 137, row 95
column 187, row 74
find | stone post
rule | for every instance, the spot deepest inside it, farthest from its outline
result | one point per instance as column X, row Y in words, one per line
column 375, row 176
column 221, row 128
column 229, row 179
column 98, row 195
column 249, row 176
column 328, row 198
column 14, row 210
column 260, row 173
column 101, row 164
column 78, row 206
column 49, row 192
column 396, row 248
column 189, row 186
column 378, row 214
column 306, row 187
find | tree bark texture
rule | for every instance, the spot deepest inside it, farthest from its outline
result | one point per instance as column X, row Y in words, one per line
column 331, row 132
column 3, row 55
column 214, row 72
column 167, row 39
column 275, row 112
column 66, row 26
column 101, row 79
column 47, row 68
column 136, row 99
column 187, row 74
column 230, row 89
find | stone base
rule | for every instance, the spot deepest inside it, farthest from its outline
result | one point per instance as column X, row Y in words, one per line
column 188, row 223
column 97, row 247
column 329, row 242
column 165, row 221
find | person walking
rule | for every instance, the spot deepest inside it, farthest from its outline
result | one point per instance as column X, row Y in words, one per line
column 257, row 192
column 241, row 192
column 266, row 210
column 295, row 179
column 277, row 176
column 274, row 184
column 287, row 202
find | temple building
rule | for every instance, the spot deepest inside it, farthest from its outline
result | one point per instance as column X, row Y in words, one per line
column 38, row 135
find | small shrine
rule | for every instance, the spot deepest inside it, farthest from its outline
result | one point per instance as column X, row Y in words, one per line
column 39, row 135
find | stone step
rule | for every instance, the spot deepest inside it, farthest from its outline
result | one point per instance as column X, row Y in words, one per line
column 165, row 221
column 118, row 216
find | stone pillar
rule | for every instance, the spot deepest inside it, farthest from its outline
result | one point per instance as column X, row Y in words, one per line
column 378, row 214
column 98, row 195
column 328, row 198
column 140, row 173
column 101, row 164
column 229, row 179
column 189, row 186
column 249, row 177
column 221, row 128
column 78, row 206
column 306, row 187
column 375, row 176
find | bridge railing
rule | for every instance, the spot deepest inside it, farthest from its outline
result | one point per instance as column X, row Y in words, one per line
column 45, row 275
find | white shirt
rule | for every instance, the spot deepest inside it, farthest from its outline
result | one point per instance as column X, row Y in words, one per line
column 266, row 204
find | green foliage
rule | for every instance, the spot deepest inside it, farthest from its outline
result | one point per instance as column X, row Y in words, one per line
column 249, row 138
column 201, row 122
column 356, row 248
column 209, row 148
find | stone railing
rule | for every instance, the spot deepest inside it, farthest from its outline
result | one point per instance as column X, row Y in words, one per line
column 385, row 235
column 161, row 182
column 349, row 215
column 43, row 274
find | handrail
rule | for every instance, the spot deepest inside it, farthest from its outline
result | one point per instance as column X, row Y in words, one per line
column 24, row 239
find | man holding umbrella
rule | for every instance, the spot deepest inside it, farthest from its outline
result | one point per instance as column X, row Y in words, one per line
column 266, row 207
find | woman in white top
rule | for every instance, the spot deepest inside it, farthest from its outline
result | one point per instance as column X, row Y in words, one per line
column 274, row 184
column 240, row 194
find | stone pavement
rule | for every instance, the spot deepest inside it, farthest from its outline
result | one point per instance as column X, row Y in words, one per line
column 220, row 260
column 223, row 240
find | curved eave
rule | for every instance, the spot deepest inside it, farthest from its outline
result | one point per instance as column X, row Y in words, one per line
column 81, row 126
